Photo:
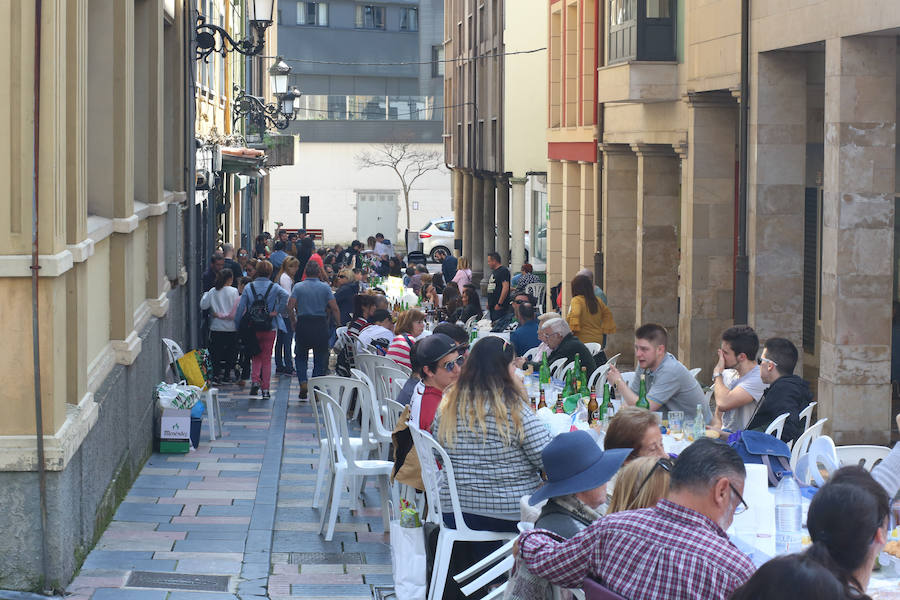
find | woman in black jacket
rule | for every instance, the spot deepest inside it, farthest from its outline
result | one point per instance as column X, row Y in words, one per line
column 471, row 304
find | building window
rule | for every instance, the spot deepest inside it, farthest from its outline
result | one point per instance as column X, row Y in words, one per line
column 409, row 19
column 369, row 16
column 312, row 13
column 641, row 30
column 437, row 61
column 658, row 9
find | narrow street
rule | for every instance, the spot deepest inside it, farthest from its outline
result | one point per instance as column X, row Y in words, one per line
column 238, row 509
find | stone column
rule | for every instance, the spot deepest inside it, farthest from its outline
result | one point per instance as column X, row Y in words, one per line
column 488, row 211
column 619, row 204
column 518, row 209
column 503, row 220
column 458, row 211
column 857, row 235
column 571, row 229
column 588, row 221
column 466, row 221
column 554, row 226
column 658, row 219
column 775, row 192
column 706, row 287
column 477, row 260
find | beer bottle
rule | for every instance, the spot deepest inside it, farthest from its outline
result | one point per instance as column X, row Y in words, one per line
column 642, row 395
column 545, row 370
column 593, row 410
column 583, row 382
column 568, row 386
column 542, row 403
column 577, row 370
column 605, row 406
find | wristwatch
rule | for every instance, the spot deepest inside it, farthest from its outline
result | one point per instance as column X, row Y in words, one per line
column 715, row 374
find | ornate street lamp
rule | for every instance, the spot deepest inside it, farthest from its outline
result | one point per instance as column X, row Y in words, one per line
column 275, row 114
column 260, row 13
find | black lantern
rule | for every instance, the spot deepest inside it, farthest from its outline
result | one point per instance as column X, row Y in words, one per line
column 260, row 13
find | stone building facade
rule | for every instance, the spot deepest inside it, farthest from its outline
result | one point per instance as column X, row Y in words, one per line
column 808, row 255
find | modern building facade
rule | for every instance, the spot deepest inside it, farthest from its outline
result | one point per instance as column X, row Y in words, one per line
column 748, row 175
column 370, row 74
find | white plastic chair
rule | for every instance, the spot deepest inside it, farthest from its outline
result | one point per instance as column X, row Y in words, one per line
column 801, row 446
column 563, row 372
column 614, row 359
column 344, row 463
column 557, row 366
column 533, row 355
column 371, row 410
column 174, row 352
column 537, row 290
column 470, row 323
column 695, row 371
column 391, row 381
column 392, row 414
column 806, row 415
column 594, row 347
column 598, row 377
column 821, row 455
column 777, row 425
column 628, row 377
column 864, row 456
column 428, row 450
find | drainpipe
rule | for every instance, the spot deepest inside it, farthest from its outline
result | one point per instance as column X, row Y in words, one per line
column 742, row 261
column 190, row 157
column 35, row 267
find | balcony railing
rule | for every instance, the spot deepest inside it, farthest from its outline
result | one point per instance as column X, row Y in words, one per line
column 368, row 108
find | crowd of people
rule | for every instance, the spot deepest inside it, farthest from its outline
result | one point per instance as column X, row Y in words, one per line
column 645, row 524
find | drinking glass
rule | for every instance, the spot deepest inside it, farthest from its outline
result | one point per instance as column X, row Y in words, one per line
column 676, row 420
column 688, row 428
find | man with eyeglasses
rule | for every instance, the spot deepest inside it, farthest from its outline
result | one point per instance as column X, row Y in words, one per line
column 438, row 360
column 787, row 393
column 676, row 549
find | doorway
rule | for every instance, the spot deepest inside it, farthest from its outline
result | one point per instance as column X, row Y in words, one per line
column 377, row 212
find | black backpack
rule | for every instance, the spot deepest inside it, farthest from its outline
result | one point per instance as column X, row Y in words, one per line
column 258, row 315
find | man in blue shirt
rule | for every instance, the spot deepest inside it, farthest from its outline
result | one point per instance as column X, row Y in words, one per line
column 277, row 257
column 312, row 303
column 524, row 337
column 448, row 265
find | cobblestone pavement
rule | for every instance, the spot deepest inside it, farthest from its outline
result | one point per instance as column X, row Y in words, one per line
column 239, row 508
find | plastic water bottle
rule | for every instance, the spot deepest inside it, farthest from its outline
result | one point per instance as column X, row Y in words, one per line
column 787, row 515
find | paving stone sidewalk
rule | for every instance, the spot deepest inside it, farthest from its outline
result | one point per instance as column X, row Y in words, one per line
column 239, row 508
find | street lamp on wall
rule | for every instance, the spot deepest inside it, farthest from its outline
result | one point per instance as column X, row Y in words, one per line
column 265, row 116
column 260, row 17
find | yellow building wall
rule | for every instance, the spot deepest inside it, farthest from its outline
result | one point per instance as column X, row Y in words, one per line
column 139, row 266
column 525, row 93
column 98, row 315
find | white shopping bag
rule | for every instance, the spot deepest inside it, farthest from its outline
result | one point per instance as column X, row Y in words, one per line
column 408, row 560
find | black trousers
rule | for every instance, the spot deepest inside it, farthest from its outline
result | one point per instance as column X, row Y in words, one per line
column 223, row 347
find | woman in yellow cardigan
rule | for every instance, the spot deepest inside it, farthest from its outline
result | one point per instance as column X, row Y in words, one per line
column 589, row 319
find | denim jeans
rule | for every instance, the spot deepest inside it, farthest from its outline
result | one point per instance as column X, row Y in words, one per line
column 283, row 346
column 311, row 334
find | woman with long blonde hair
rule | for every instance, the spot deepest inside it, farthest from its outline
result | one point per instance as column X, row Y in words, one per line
column 640, row 484
column 493, row 438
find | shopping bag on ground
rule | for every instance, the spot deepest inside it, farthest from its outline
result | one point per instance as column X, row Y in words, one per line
column 176, row 395
column 194, row 367
column 408, row 559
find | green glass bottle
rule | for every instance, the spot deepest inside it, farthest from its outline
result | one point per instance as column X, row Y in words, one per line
column 577, row 369
column 568, row 386
column 583, row 383
column 606, row 403
column 545, row 370
column 642, row 395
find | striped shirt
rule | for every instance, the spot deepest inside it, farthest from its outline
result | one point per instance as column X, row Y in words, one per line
column 356, row 326
column 399, row 349
column 667, row 552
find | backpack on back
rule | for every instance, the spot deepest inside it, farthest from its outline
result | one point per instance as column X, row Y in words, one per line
column 258, row 315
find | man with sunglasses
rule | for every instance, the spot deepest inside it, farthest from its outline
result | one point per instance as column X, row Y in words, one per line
column 787, row 393
column 439, row 360
column 676, row 549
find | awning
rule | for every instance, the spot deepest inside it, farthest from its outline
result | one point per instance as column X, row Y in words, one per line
column 243, row 161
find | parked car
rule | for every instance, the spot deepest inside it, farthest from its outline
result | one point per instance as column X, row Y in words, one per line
column 438, row 235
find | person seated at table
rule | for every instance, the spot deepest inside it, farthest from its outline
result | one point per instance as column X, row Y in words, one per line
column 636, row 429
column 676, row 549
column 415, row 282
column 451, row 301
column 670, row 386
column 471, row 304
column 379, row 333
column 525, row 336
column 577, row 471
column 494, row 442
column 792, row 577
column 564, row 344
column 590, row 319
column 787, row 393
column 848, row 521
column 737, row 399
column 640, row 484
column 451, row 330
column 410, row 325
column 438, row 361
column 363, row 307
column 524, row 278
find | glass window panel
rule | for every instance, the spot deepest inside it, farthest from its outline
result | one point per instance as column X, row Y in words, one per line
column 658, row 9
column 323, row 14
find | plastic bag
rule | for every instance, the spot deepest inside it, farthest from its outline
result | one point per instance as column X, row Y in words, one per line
column 176, row 395
column 408, row 560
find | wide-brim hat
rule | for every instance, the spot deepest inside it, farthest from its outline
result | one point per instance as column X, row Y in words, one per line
column 575, row 463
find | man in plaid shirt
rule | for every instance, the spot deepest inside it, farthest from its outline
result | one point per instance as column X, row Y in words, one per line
column 676, row 550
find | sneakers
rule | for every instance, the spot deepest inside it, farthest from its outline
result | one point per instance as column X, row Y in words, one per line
column 304, row 390
column 254, row 390
column 265, row 395
column 279, row 369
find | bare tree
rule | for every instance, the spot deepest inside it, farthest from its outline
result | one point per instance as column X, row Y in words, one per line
column 405, row 160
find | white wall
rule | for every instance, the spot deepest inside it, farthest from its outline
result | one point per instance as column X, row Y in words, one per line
column 329, row 175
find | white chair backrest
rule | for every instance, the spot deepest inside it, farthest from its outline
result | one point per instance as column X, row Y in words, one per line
column 536, row 290
column 430, row 452
column 533, row 355
column 371, row 406
column 864, row 456
column 628, row 377
column 556, row 366
column 777, row 425
column 563, row 372
column 614, row 359
column 388, row 376
column 394, row 410
column 338, row 436
column 695, row 371
column 821, row 456
column 806, row 415
column 594, row 348
column 173, row 349
column 341, row 389
column 470, row 323
column 598, row 378
column 802, row 444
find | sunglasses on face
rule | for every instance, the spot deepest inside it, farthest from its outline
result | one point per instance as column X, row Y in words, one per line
column 761, row 360
column 453, row 364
